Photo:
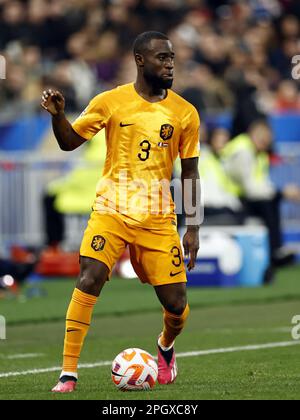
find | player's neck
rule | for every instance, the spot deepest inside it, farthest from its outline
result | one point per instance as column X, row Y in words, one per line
column 149, row 93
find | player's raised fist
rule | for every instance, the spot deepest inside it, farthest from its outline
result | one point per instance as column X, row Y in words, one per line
column 53, row 101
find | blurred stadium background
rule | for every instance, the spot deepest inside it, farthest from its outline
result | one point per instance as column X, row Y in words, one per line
column 235, row 61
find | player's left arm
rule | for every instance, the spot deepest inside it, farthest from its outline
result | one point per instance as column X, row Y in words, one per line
column 189, row 153
column 191, row 199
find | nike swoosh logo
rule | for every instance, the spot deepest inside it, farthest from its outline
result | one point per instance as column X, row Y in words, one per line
column 125, row 125
column 117, row 374
column 175, row 274
column 70, row 330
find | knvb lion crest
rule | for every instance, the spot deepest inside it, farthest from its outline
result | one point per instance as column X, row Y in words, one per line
column 98, row 243
column 166, row 131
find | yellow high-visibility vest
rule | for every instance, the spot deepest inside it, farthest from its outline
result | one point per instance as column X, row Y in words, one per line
column 211, row 166
column 76, row 192
column 262, row 162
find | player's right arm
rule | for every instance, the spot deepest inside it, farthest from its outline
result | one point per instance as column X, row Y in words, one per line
column 54, row 102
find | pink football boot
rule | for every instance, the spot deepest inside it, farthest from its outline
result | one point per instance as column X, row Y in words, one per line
column 65, row 384
column 167, row 367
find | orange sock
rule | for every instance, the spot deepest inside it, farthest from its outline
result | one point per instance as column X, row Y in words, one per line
column 173, row 325
column 77, row 324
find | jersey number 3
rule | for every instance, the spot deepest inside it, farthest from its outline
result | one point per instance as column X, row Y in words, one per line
column 146, row 146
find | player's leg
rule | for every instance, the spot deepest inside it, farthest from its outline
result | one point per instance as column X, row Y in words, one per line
column 157, row 259
column 93, row 275
column 174, row 301
column 176, row 310
column 103, row 243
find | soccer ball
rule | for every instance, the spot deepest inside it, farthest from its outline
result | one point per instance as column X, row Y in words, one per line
column 134, row 369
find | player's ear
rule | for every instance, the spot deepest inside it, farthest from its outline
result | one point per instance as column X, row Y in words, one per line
column 139, row 59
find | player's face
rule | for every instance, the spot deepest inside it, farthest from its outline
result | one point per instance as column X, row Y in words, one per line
column 159, row 64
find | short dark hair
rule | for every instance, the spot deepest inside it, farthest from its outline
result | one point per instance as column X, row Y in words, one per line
column 142, row 41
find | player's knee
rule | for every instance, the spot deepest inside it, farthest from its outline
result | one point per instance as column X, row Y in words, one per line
column 92, row 277
column 177, row 307
column 88, row 284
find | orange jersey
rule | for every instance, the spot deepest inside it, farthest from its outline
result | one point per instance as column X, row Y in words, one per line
column 143, row 140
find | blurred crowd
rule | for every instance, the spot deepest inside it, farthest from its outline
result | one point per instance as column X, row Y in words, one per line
column 231, row 55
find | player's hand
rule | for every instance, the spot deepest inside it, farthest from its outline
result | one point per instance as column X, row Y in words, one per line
column 53, row 102
column 191, row 246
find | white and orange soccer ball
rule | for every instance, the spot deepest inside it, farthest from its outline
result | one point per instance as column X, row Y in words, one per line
column 133, row 370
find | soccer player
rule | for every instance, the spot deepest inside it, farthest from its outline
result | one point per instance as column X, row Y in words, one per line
column 146, row 126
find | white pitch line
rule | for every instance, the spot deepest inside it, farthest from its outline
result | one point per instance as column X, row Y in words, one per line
column 178, row 355
column 53, row 369
column 21, row 356
column 283, row 329
column 241, row 348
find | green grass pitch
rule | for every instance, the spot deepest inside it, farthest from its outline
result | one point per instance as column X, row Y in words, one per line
column 128, row 315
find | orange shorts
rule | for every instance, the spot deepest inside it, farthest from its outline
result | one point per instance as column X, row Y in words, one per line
column 155, row 254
